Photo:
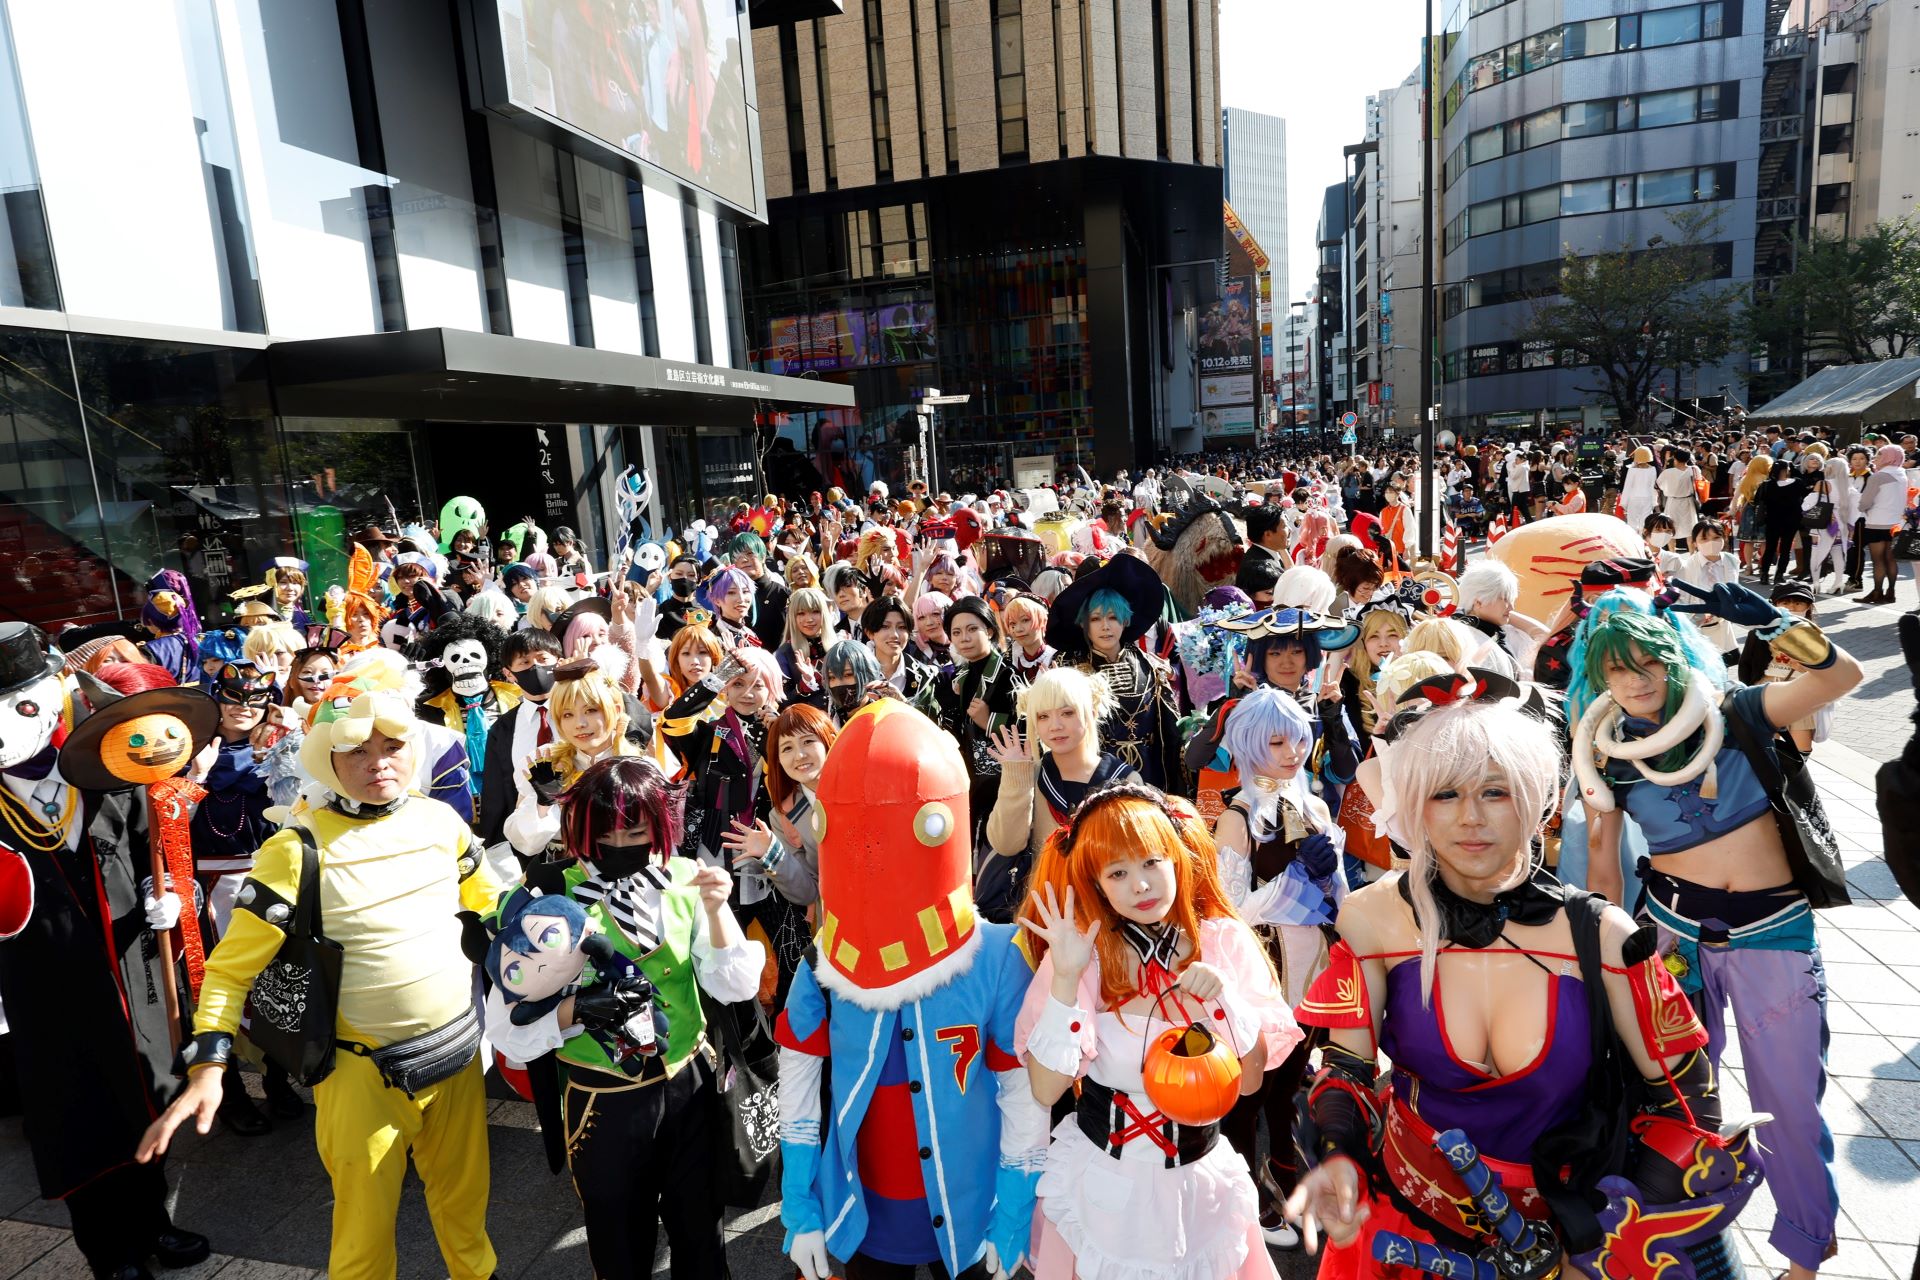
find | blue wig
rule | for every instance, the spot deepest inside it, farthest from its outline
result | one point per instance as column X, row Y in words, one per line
column 1255, row 721
column 1701, row 655
column 1106, row 601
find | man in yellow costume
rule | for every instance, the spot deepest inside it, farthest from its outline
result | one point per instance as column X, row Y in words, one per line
column 395, row 869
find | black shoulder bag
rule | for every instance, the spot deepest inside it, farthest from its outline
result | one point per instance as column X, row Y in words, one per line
column 747, row 1094
column 1812, row 851
column 1816, row 517
column 296, row 998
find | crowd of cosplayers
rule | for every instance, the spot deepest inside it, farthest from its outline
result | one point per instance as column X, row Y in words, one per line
column 1121, row 881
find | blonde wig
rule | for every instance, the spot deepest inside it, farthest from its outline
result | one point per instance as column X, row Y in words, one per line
column 1399, row 674
column 809, row 600
column 1062, row 687
column 546, row 604
column 268, row 638
column 595, row 689
column 1454, row 641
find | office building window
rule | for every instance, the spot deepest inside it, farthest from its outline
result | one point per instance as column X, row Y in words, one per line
column 824, row 85
column 643, row 261
column 26, row 257
column 949, row 116
column 796, row 114
column 1590, row 39
column 1592, row 119
column 877, row 94
column 1060, row 80
column 1010, row 80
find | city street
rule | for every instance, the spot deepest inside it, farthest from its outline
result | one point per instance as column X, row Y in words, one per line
column 265, row 1201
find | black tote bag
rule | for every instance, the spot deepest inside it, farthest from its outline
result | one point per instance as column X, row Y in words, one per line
column 1812, row 851
column 747, row 1088
column 292, row 1007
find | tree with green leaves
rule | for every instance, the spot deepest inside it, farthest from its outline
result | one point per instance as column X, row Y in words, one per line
column 1846, row 301
column 1634, row 315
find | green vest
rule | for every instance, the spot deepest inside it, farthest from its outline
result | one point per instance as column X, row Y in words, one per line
column 668, row 966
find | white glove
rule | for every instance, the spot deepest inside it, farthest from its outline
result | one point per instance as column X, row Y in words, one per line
column 809, row 1253
column 163, row 912
column 646, row 620
column 994, row 1269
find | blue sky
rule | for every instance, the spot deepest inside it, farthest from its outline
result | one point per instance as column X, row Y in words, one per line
column 1315, row 64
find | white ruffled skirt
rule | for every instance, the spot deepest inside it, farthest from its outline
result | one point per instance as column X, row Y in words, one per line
column 1134, row 1219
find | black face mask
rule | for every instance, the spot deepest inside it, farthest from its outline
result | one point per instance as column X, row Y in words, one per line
column 618, row 861
column 845, row 696
column 683, row 587
column 536, row 680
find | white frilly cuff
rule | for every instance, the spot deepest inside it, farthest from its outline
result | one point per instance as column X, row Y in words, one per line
column 1055, row 1040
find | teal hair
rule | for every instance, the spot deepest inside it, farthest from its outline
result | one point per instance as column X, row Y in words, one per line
column 1621, row 621
column 747, row 540
column 1106, row 601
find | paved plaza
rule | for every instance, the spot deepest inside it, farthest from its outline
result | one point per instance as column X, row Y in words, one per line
column 265, row 1202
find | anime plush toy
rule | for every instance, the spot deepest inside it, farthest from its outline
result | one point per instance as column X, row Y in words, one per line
column 1198, row 550
column 462, row 690
column 79, row 975
column 911, row 1153
column 461, row 514
column 543, row 948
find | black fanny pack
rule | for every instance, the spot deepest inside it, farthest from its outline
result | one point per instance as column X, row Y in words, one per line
column 1109, row 1127
column 417, row 1062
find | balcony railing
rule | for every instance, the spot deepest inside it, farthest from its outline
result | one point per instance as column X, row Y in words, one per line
column 1781, row 129
column 1779, row 209
column 1791, row 45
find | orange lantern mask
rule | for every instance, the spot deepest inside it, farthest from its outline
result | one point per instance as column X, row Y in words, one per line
column 1548, row 555
column 146, row 748
column 1192, row 1076
column 896, row 874
column 139, row 739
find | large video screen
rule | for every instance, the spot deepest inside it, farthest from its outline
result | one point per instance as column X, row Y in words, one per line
column 663, row 81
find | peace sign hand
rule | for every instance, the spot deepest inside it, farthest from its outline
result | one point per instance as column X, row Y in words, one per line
column 1070, row 947
column 1008, row 747
column 1243, row 677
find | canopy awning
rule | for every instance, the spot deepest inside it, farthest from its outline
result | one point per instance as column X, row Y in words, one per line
column 1848, row 395
column 459, row 376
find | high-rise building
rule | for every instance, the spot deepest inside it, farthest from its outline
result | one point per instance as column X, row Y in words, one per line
column 1253, row 150
column 1331, row 296
column 1384, row 303
column 1015, row 202
column 1866, row 105
column 1569, row 126
column 274, row 272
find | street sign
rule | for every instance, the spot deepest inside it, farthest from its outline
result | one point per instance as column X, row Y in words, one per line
column 1347, row 436
column 1349, row 420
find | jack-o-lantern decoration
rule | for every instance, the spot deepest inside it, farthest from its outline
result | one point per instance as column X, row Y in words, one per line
column 1191, row 1075
column 139, row 739
column 1548, row 555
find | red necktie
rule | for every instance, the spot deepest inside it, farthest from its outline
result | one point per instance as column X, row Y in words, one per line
column 546, row 728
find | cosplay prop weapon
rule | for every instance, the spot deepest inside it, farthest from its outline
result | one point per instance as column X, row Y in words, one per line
column 1638, row 1241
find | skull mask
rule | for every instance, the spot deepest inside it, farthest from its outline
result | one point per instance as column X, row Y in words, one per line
column 466, row 664
column 28, row 718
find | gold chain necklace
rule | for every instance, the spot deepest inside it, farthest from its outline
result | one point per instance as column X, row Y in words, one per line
column 33, row 831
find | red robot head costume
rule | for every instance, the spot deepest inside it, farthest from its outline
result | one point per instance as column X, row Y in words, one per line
column 896, row 882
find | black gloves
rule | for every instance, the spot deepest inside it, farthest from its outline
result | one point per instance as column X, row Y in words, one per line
column 1318, row 855
column 545, row 781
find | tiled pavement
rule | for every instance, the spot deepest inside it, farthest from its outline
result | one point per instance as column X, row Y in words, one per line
column 264, row 1201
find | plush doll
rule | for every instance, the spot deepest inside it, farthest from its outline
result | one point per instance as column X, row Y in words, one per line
column 544, row 948
column 923, row 1143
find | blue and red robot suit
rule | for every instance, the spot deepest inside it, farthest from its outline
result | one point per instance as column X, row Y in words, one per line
column 925, row 1148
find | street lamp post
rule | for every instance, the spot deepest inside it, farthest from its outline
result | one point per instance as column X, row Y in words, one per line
column 930, row 421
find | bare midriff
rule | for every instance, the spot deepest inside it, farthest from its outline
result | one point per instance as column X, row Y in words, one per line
column 1740, row 861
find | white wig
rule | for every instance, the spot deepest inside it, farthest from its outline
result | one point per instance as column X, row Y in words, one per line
column 1060, row 687
column 1458, row 747
column 1487, row 581
column 1304, row 587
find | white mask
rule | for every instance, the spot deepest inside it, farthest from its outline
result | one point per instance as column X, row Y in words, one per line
column 466, row 663
column 1659, row 539
column 1711, row 548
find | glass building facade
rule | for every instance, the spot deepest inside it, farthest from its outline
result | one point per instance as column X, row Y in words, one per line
column 1571, row 127
column 291, row 276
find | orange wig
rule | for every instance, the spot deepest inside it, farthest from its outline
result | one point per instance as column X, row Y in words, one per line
column 1130, row 820
column 686, row 638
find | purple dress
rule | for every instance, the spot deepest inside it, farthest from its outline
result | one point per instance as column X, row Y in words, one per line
column 1504, row 1115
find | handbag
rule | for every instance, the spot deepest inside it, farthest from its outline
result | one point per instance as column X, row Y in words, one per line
column 1812, row 851
column 1818, row 516
column 1906, row 539
column 747, row 1092
column 293, row 1005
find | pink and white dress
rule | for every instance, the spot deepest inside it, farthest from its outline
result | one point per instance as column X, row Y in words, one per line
column 1125, row 1215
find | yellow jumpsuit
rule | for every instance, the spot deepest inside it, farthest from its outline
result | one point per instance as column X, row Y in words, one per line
column 389, row 890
